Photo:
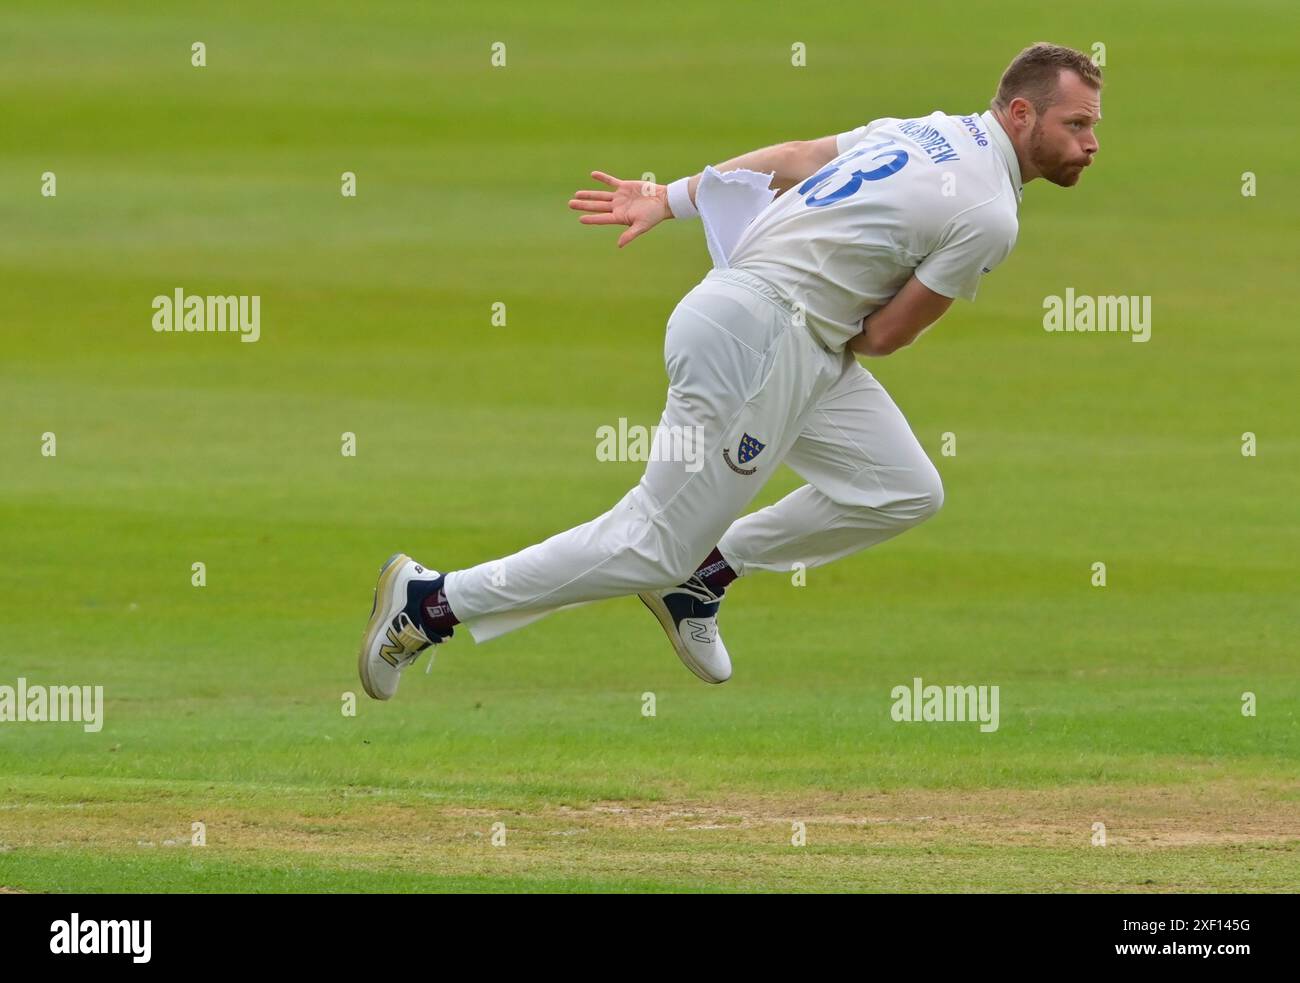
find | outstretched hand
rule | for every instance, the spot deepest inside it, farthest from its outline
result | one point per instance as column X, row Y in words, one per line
column 640, row 205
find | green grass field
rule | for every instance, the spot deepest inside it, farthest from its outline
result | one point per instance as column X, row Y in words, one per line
column 1119, row 704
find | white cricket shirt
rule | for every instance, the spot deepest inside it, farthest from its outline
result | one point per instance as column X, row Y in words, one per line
column 935, row 196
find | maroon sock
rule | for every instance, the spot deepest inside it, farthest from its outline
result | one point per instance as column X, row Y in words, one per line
column 435, row 614
column 715, row 572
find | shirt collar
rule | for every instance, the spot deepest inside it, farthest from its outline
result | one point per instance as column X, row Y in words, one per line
column 1003, row 143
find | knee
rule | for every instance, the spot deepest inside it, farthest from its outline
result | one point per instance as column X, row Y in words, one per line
column 921, row 497
column 928, row 494
column 908, row 495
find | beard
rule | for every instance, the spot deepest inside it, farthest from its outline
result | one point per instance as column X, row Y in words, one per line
column 1060, row 170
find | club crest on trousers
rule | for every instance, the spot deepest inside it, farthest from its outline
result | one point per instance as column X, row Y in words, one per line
column 748, row 449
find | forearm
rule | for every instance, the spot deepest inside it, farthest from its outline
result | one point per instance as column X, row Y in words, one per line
column 870, row 343
column 900, row 321
column 777, row 159
column 880, row 336
column 789, row 163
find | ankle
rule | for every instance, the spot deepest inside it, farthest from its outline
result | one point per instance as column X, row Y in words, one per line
column 715, row 572
column 435, row 614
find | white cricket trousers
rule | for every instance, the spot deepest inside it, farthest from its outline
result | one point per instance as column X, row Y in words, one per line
column 742, row 368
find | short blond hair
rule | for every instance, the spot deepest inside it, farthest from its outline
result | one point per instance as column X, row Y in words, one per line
column 1035, row 74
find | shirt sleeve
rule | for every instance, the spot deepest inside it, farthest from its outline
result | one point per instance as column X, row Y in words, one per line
column 973, row 244
column 851, row 138
column 728, row 203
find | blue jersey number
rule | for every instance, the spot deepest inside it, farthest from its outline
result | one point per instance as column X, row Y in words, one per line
column 894, row 161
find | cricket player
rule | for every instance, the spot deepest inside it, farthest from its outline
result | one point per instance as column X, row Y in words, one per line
column 826, row 249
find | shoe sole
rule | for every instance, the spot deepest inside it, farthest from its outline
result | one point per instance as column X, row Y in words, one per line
column 666, row 622
column 377, row 623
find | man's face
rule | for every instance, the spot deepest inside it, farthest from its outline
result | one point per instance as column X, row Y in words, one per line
column 1062, row 142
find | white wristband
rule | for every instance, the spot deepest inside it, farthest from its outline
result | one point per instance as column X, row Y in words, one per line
column 679, row 200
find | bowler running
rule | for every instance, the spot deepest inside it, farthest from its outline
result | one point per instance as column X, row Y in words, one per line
column 823, row 250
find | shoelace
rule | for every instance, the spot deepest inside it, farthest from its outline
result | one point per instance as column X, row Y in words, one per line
column 699, row 590
column 413, row 640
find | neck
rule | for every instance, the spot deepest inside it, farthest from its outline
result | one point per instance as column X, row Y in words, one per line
column 1027, row 170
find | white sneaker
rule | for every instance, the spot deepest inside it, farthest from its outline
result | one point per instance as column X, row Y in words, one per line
column 689, row 616
column 394, row 637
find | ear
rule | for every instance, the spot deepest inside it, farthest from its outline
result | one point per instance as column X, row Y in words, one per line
column 1021, row 112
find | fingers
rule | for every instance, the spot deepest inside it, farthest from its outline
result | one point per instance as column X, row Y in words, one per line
column 630, row 234
column 613, row 182
column 591, row 206
column 594, row 195
column 605, row 219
